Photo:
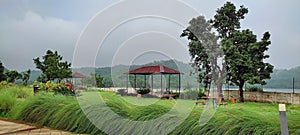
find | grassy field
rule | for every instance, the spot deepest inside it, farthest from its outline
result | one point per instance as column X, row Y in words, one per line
column 111, row 113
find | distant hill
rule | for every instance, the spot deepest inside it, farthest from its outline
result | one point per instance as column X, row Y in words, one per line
column 119, row 78
column 281, row 78
column 284, row 78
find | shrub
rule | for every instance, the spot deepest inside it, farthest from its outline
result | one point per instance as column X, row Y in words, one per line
column 201, row 93
column 122, row 92
column 64, row 90
column 143, row 91
column 254, row 88
column 56, row 88
column 5, row 84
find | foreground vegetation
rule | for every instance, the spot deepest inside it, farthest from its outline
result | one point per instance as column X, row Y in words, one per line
column 65, row 112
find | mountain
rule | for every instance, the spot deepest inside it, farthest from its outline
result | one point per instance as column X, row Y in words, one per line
column 117, row 76
column 281, row 78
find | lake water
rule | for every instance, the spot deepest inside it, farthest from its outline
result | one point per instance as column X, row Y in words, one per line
column 281, row 90
column 273, row 90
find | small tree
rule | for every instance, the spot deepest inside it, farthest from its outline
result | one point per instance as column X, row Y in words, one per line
column 26, row 76
column 107, row 82
column 99, row 80
column 2, row 75
column 52, row 67
column 12, row 76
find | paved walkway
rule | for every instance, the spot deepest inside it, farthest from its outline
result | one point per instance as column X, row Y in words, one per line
column 8, row 127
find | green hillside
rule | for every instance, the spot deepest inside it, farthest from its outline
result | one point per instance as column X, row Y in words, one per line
column 281, row 78
column 284, row 79
column 117, row 76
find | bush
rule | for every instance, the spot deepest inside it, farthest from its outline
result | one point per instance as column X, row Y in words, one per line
column 122, row 92
column 143, row 91
column 59, row 88
column 64, row 90
column 5, row 84
column 201, row 93
column 254, row 88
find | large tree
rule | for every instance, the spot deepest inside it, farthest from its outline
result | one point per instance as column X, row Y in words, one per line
column 244, row 55
column 53, row 67
column 205, row 52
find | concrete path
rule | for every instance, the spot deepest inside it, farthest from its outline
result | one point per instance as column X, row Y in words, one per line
column 8, row 127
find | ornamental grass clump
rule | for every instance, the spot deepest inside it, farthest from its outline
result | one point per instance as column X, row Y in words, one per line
column 143, row 91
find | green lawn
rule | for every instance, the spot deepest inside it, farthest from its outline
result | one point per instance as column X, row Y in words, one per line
column 115, row 114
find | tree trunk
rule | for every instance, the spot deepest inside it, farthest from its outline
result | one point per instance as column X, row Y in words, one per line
column 219, row 88
column 241, row 91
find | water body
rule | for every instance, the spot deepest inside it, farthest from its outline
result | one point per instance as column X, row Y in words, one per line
column 283, row 90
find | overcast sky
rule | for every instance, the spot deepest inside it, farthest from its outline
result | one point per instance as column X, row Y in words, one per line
column 30, row 27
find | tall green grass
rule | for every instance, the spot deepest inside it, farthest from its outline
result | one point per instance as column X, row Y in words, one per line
column 56, row 111
column 136, row 112
column 64, row 112
column 241, row 119
column 10, row 95
column 7, row 100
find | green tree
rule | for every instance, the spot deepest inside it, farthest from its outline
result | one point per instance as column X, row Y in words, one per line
column 52, row 67
column 12, row 76
column 107, row 81
column 25, row 77
column 99, row 80
column 2, row 75
column 205, row 52
column 244, row 55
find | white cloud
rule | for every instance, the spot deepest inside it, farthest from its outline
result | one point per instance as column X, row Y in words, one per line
column 22, row 40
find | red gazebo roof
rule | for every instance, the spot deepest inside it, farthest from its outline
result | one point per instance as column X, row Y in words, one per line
column 78, row 75
column 147, row 70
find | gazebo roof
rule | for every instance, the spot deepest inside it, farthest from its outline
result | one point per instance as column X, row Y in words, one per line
column 78, row 75
column 147, row 70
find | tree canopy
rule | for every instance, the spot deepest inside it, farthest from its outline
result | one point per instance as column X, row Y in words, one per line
column 12, row 75
column 203, row 48
column 244, row 55
column 53, row 67
column 206, row 52
column 25, row 77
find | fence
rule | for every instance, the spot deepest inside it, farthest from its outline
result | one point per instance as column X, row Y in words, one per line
column 272, row 97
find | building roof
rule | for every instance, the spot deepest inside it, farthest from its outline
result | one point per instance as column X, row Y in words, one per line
column 78, row 75
column 147, row 70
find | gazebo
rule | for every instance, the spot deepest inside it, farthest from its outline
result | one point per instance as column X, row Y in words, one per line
column 76, row 75
column 154, row 70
